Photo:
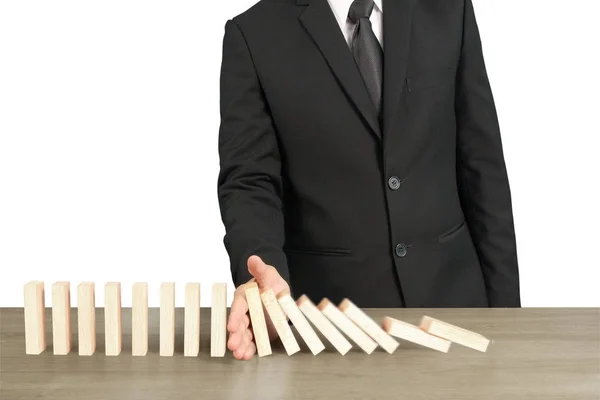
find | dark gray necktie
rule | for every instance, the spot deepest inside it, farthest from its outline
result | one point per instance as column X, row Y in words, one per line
column 366, row 49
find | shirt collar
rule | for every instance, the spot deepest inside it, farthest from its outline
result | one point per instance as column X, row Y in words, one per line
column 378, row 4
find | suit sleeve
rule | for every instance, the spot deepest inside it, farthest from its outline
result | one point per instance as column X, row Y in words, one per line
column 481, row 172
column 249, row 181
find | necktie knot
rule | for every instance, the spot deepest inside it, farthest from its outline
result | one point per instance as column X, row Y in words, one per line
column 360, row 9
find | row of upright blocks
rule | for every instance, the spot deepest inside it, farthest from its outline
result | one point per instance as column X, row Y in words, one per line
column 34, row 313
column 340, row 325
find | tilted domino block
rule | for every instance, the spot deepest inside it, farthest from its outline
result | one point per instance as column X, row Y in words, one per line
column 300, row 322
column 454, row 334
column 35, row 317
column 325, row 326
column 412, row 333
column 366, row 323
column 280, row 322
column 257, row 316
column 340, row 320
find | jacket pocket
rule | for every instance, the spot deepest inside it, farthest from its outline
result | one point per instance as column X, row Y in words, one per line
column 452, row 232
column 320, row 251
column 430, row 79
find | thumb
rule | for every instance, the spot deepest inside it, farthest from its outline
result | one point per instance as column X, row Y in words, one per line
column 264, row 274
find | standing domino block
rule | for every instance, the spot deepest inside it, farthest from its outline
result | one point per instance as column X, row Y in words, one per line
column 280, row 322
column 300, row 322
column 191, row 334
column 370, row 327
column 139, row 319
column 412, row 333
column 343, row 323
column 167, row 319
column 112, row 319
column 86, row 318
column 454, row 334
column 61, row 318
column 323, row 325
column 35, row 317
column 218, row 320
column 257, row 316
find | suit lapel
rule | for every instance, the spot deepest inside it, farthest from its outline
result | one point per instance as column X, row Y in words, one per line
column 320, row 23
column 397, row 18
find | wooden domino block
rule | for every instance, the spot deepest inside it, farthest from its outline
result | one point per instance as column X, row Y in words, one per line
column 316, row 317
column 35, row 317
column 412, row 333
column 344, row 324
column 139, row 319
column 167, row 319
column 284, row 331
column 218, row 320
column 257, row 316
column 300, row 322
column 454, row 334
column 86, row 318
column 191, row 334
column 61, row 318
column 112, row 319
column 370, row 327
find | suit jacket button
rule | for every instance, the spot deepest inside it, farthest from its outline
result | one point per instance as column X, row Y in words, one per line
column 401, row 250
column 394, row 183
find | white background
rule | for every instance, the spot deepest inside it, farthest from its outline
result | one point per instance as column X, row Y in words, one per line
column 108, row 143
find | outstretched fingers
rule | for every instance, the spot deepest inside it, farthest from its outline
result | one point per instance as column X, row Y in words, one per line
column 238, row 323
column 239, row 309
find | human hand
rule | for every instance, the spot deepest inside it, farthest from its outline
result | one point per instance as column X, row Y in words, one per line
column 241, row 338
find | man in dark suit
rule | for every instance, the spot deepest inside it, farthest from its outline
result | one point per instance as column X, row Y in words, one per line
column 361, row 157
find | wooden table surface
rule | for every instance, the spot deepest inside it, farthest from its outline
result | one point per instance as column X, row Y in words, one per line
column 535, row 354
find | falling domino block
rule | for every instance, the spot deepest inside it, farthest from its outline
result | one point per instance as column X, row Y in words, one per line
column 139, row 319
column 454, row 334
column 86, row 318
column 218, row 317
column 300, row 322
column 280, row 322
column 35, row 317
column 331, row 333
column 112, row 319
column 412, row 333
column 191, row 334
column 370, row 327
column 61, row 318
column 167, row 319
column 257, row 316
column 343, row 323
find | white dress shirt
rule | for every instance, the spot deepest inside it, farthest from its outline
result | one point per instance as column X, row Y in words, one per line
column 340, row 9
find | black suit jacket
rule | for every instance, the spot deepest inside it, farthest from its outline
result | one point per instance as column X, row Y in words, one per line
column 414, row 212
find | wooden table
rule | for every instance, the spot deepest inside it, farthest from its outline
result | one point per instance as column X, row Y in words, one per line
column 535, row 354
